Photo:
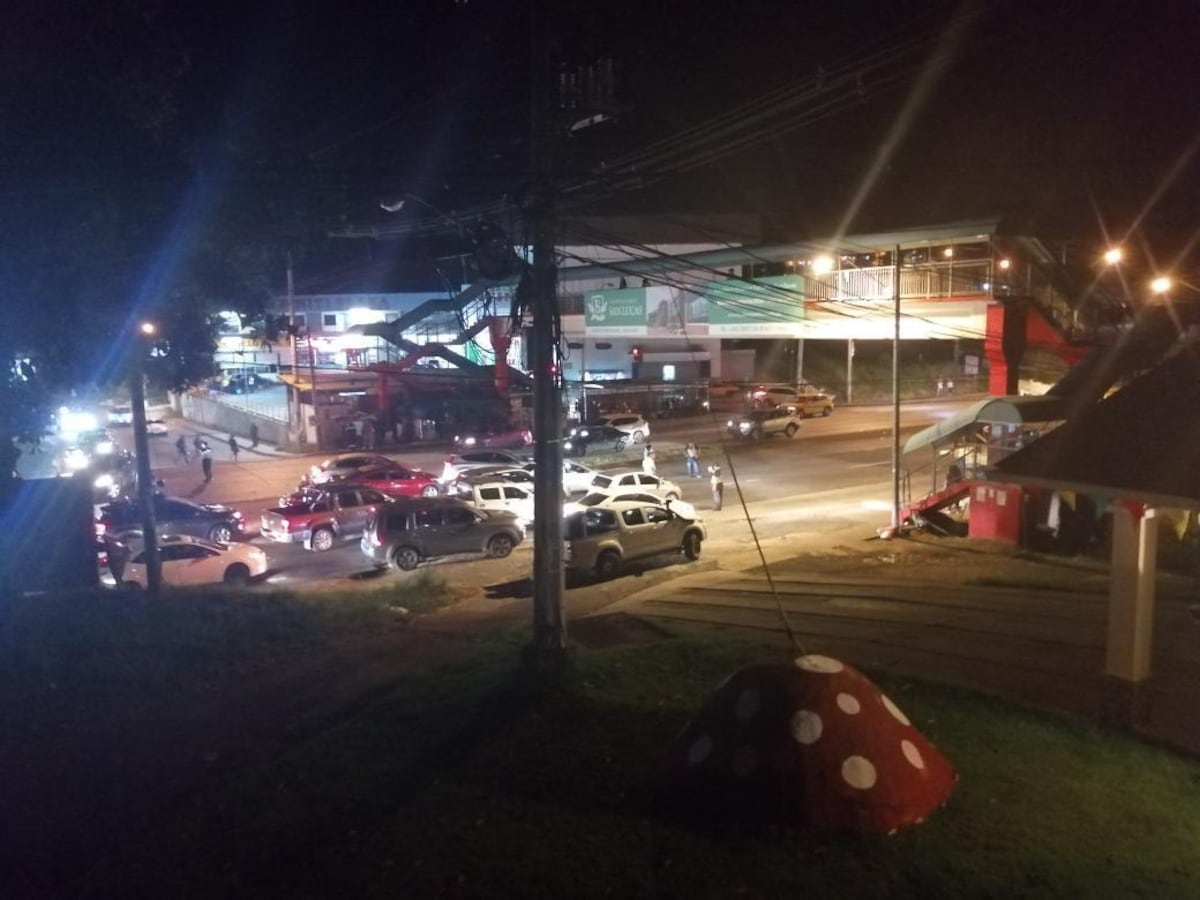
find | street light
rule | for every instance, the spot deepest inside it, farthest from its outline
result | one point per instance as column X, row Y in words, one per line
column 1161, row 285
column 137, row 391
column 1113, row 255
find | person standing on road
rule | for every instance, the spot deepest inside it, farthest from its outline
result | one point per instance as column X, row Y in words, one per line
column 181, row 448
column 649, row 466
column 234, row 447
column 253, row 435
column 206, row 461
column 692, row 458
column 718, row 487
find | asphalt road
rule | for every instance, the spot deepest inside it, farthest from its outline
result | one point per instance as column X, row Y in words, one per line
column 834, row 473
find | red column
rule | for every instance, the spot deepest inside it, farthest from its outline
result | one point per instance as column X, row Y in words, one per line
column 499, row 327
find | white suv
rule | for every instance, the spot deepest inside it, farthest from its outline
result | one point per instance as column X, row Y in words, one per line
column 601, row 539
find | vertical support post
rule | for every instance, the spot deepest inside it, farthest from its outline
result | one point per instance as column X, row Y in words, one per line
column 294, row 391
column 145, row 479
column 800, row 361
column 896, row 388
column 1131, row 594
column 547, row 652
column 850, row 370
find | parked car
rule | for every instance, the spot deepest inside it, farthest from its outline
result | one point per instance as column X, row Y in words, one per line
column 457, row 463
column 602, row 498
column 500, row 495
column 112, row 476
column 403, row 533
column 396, row 480
column 637, row 428
column 760, row 423
column 594, row 439
column 156, row 428
column 503, row 437
column 656, row 485
column 345, row 465
column 318, row 519
column 600, row 540
column 190, row 561
column 175, row 516
column 577, row 478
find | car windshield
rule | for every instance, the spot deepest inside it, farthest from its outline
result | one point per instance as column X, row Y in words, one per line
column 593, row 499
column 601, row 481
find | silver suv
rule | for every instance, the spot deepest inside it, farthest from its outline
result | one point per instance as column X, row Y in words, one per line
column 599, row 540
column 760, row 423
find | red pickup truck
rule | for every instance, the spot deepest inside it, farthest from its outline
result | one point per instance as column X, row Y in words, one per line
column 320, row 518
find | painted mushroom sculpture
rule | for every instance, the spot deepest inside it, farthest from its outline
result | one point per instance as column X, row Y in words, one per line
column 815, row 742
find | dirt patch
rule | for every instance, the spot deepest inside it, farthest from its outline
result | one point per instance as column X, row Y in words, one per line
column 614, row 630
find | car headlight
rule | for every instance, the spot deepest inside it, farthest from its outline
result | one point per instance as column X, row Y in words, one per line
column 104, row 448
column 104, row 482
column 729, row 424
column 469, row 441
column 744, row 427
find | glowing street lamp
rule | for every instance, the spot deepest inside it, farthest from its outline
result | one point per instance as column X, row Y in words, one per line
column 822, row 265
column 148, row 329
column 1113, row 255
column 1161, row 285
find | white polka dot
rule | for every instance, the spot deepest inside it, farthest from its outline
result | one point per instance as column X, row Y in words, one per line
column 745, row 761
column 806, row 726
column 895, row 710
column 848, row 704
column 858, row 772
column 700, row 749
column 814, row 663
column 747, row 704
column 912, row 754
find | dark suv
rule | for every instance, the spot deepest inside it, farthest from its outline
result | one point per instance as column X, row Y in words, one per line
column 403, row 533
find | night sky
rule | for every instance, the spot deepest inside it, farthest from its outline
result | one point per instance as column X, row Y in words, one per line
column 1065, row 118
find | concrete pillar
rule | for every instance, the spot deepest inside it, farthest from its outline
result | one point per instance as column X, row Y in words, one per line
column 1131, row 594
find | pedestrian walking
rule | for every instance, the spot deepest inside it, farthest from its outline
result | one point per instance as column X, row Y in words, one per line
column 197, row 443
column 692, row 459
column 253, row 435
column 181, row 449
column 206, row 461
column 949, row 385
column 941, row 386
column 649, row 466
column 234, row 447
column 718, row 487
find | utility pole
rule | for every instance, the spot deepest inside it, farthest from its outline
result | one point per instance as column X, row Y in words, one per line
column 294, row 392
column 548, row 650
column 896, row 388
column 145, row 479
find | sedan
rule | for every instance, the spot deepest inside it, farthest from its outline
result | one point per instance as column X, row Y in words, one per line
column 345, row 465
column 457, row 463
column 396, row 480
column 577, row 478
column 175, row 516
column 505, row 437
column 661, row 488
column 190, row 561
column 631, row 424
column 156, row 428
column 608, row 501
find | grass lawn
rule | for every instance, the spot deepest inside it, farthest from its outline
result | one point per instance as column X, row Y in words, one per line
column 466, row 782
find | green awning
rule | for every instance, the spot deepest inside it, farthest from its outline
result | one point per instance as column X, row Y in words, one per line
column 990, row 411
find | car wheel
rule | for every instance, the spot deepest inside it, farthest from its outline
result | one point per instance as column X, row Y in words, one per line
column 800, row 413
column 430, row 490
column 621, row 444
column 322, row 539
column 405, row 558
column 827, row 411
column 791, row 430
column 237, row 574
column 672, row 496
column 499, row 546
column 608, row 565
column 691, row 545
column 638, row 437
column 222, row 534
